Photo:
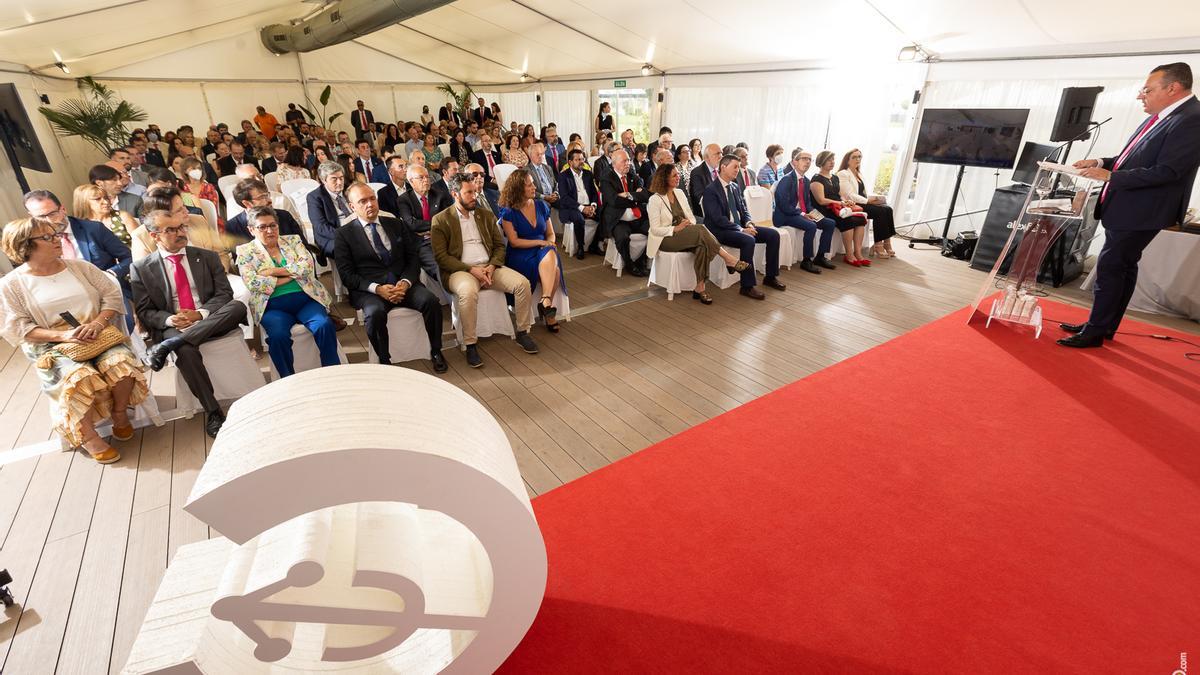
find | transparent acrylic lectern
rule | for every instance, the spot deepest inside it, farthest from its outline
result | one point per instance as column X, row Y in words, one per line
column 1059, row 196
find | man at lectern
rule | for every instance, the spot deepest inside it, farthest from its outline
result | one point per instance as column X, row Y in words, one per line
column 1149, row 185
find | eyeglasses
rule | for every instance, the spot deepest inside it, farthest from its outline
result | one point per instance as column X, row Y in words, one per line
column 174, row 230
column 473, row 174
column 49, row 238
column 267, row 227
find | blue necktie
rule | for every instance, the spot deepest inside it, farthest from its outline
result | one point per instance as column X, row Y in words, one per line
column 732, row 218
column 384, row 255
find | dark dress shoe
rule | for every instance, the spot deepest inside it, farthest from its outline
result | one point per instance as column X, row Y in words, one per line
column 213, row 422
column 639, row 271
column 752, row 293
column 580, row 255
column 439, row 362
column 595, row 250
column 1082, row 340
column 821, row 261
column 526, row 343
column 157, row 356
column 809, row 266
column 1078, row 328
column 473, row 359
column 773, row 282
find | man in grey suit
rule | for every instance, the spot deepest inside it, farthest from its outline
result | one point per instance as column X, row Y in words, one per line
column 181, row 295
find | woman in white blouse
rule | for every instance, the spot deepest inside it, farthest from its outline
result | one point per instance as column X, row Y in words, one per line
column 33, row 298
column 854, row 189
column 673, row 228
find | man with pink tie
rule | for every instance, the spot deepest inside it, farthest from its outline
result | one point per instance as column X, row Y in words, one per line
column 182, row 296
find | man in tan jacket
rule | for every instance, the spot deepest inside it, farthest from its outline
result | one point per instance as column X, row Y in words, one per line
column 469, row 250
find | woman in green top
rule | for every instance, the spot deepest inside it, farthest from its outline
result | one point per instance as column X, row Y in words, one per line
column 93, row 203
column 284, row 290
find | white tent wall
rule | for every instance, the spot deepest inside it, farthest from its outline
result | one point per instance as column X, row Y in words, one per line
column 571, row 110
column 518, row 106
column 69, row 157
column 1033, row 84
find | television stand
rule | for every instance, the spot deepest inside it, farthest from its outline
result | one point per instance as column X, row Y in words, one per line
column 942, row 241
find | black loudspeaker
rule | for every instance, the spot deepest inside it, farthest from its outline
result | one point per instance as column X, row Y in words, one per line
column 1063, row 263
column 961, row 247
column 1074, row 113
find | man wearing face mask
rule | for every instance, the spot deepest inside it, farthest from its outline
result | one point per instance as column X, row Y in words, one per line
column 153, row 154
column 772, row 171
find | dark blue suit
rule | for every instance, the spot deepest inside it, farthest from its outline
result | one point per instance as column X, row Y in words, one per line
column 569, row 201
column 323, row 215
column 379, row 173
column 788, row 212
column 1148, row 192
column 99, row 246
column 717, row 212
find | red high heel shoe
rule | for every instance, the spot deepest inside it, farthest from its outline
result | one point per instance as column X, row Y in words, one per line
column 863, row 262
column 855, row 263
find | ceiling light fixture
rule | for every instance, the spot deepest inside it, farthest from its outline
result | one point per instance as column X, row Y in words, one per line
column 646, row 69
column 63, row 67
column 914, row 52
column 524, row 77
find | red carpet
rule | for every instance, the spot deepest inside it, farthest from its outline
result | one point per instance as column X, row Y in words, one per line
column 958, row 500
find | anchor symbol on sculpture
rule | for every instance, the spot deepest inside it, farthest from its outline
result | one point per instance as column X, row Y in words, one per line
column 244, row 611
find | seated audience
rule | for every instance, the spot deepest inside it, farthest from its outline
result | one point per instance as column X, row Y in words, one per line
column 281, row 276
column 396, row 185
column 543, row 176
column 433, row 154
column 531, row 246
column 854, row 189
column 673, row 228
column 772, row 171
column 470, row 252
column 83, row 239
column 328, row 208
column 414, row 141
column 32, row 299
column 92, row 203
column 277, row 158
column 253, row 193
column 826, row 191
column 604, row 161
column 726, row 216
column 683, row 162
column 418, row 206
column 664, row 140
column 796, row 207
column 745, row 177
column 488, row 157
column 556, row 154
column 704, row 173
column 364, row 163
column 378, row 259
column 194, row 184
column 113, row 182
column 659, row 158
column 577, row 201
column 184, row 299
column 200, row 234
column 388, row 140
column 623, row 214
column 513, row 154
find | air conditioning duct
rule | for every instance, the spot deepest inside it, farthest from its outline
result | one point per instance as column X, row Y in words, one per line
column 342, row 21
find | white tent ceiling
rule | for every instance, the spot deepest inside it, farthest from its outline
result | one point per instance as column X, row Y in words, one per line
column 494, row 41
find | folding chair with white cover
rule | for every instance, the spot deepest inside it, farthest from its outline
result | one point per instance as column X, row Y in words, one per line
column 230, row 367
column 673, row 270
column 637, row 246
column 305, row 355
column 560, row 301
column 718, row 273
column 407, row 340
column 272, row 181
column 501, row 174
column 298, row 189
column 759, row 201
column 209, row 210
column 225, row 188
column 435, row 288
column 491, row 316
column 377, row 186
column 445, row 148
column 568, row 236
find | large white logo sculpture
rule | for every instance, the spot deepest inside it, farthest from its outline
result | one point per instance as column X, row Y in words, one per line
column 373, row 520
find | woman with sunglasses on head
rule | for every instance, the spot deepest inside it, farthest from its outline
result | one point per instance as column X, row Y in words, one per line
column 36, row 300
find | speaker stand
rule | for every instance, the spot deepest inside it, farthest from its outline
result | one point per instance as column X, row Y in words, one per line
column 942, row 241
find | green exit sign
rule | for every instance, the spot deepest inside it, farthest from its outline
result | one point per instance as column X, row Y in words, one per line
column 618, row 84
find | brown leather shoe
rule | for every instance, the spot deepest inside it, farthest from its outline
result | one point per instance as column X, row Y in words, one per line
column 774, row 283
column 752, row 293
column 104, row 454
column 122, row 433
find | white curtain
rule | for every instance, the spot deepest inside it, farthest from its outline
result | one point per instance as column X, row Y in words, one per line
column 935, row 183
column 571, row 111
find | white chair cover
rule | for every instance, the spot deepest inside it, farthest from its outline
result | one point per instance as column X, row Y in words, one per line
column 445, row 148
column 232, row 371
column 637, row 246
column 272, row 181
column 209, row 210
column 568, row 236
column 560, row 302
column 491, row 316
column 673, row 271
column 407, row 340
column 377, row 186
column 305, row 355
column 502, row 172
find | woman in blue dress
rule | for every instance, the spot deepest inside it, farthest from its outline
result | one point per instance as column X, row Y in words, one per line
column 531, row 247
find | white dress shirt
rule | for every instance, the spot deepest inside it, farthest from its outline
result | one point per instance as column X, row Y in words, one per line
column 474, row 252
column 581, row 190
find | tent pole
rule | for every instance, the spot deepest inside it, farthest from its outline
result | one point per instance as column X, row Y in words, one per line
column 207, row 107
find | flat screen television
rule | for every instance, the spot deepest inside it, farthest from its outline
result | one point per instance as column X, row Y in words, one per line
column 985, row 137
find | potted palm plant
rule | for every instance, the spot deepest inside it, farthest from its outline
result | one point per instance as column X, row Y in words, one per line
column 323, row 121
column 98, row 118
column 462, row 99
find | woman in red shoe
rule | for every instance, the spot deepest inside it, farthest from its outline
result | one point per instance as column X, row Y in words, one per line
column 826, row 189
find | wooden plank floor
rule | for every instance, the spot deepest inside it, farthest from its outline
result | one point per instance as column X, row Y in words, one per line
column 87, row 544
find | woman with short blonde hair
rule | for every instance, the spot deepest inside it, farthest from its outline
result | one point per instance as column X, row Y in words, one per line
column 90, row 202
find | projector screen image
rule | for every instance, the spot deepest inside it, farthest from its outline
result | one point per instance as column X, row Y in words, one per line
column 988, row 137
